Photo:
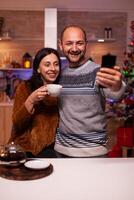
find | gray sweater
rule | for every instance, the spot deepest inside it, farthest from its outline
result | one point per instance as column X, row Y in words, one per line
column 82, row 127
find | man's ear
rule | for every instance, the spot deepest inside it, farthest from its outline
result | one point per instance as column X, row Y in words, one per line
column 60, row 44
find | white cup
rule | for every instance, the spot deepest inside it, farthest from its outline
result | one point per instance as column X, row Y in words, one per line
column 54, row 89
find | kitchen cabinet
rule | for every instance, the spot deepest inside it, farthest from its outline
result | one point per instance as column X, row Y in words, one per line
column 13, row 77
column 5, row 121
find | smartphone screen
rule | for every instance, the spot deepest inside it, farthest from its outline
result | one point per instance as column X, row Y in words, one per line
column 108, row 60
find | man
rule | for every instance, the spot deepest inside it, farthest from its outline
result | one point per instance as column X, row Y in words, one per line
column 82, row 126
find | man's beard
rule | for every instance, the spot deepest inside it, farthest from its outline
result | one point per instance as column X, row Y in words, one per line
column 80, row 60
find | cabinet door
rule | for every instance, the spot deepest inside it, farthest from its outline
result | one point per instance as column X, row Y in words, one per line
column 5, row 123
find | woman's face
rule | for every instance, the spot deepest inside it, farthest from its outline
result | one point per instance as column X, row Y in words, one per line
column 49, row 68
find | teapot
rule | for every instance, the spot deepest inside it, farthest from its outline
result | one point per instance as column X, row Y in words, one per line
column 12, row 154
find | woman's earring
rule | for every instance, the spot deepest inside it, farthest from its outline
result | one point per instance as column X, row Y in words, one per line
column 38, row 70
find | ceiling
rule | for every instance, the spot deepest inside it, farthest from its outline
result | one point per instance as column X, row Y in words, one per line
column 67, row 5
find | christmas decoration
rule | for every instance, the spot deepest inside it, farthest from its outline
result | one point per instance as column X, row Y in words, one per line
column 131, row 44
column 124, row 108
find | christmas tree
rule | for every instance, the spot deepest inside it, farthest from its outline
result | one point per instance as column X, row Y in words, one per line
column 125, row 107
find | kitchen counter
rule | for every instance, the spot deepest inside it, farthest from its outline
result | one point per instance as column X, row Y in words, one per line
column 77, row 179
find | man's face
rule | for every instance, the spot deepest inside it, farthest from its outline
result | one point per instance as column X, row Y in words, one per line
column 73, row 45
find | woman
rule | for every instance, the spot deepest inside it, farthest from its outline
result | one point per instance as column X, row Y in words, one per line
column 35, row 113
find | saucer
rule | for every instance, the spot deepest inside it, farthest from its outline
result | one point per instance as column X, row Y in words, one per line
column 37, row 164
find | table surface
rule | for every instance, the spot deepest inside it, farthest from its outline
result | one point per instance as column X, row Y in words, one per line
column 77, row 179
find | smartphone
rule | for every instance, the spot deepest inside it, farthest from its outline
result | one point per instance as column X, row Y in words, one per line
column 108, row 60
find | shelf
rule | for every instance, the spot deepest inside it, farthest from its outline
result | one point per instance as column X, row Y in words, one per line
column 15, row 69
column 5, row 38
column 101, row 40
column 20, row 39
column 20, row 73
column 4, row 103
column 28, row 39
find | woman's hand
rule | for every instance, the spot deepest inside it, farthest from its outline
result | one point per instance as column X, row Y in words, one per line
column 35, row 97
column 110, row 78
column 38, row 94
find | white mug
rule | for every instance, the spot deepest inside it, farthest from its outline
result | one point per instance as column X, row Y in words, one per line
column 54, row 89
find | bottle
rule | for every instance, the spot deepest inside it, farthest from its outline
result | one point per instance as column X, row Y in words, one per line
column 109, row 32
column 105, row 32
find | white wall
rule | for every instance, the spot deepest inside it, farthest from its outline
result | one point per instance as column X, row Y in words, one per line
column 50, row 28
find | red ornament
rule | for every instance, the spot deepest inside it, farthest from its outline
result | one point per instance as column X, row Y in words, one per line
column 132, row 22
column 132, row 43
column 132, row 26
column 125, row 68
column 129, row 101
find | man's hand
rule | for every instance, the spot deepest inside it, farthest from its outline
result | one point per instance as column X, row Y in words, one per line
column 110, row 78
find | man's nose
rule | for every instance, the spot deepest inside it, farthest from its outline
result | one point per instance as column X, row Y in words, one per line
column 74, row 47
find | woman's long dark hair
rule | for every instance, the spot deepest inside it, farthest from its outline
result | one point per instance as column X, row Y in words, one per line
column 36, row 80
